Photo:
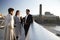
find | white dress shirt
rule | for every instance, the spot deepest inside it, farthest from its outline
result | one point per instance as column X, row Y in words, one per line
column 26, row 18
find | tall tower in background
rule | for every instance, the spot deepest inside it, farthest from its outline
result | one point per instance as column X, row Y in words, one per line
column 40, row 13
column 40, row 10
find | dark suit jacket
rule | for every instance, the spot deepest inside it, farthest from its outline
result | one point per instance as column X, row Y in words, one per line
column 29, row 20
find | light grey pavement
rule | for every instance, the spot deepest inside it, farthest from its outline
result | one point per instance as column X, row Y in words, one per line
column 38, row 32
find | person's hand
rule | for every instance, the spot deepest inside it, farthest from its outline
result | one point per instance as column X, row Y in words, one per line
column 14, row 25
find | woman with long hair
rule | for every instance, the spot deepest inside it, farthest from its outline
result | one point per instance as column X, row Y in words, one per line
column 19, row 30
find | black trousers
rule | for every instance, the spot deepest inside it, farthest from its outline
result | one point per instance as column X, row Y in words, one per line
column 26, row 27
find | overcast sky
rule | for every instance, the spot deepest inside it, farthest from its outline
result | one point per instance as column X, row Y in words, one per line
column 52, row 6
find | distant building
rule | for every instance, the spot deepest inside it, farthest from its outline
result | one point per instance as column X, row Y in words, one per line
column 40, row 10
column 48, row 13
column 47, row 18
column 1, row 15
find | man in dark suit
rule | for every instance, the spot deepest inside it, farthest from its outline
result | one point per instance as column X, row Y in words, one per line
column 27, row 21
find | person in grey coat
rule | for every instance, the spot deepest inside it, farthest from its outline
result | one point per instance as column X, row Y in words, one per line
column 19, row 29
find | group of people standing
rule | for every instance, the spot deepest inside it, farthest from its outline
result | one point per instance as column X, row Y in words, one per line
column 16, row 27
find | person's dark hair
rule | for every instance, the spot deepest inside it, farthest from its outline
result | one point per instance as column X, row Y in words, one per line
column 28, row 10
column 16, row 12
column 10, row 9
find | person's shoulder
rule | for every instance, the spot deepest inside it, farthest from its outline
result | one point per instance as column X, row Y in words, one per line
column 7, row 15
column 30, row 15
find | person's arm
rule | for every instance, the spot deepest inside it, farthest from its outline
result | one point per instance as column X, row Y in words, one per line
column 24, row 19
column 6, row 21
column 14, row 22
column 30, row 19
column 21, row 19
